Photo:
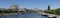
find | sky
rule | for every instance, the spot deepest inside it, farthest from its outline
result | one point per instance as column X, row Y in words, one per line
column 41, row 4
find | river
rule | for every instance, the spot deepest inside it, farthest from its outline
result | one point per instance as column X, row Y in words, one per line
column 26, row 15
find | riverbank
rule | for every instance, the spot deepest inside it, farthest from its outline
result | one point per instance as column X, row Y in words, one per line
column 49, row 15
column 9, row 14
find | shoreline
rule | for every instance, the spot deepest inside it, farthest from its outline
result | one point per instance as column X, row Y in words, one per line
column 8, row 14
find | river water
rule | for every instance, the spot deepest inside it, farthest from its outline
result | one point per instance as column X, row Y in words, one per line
column 26, row 15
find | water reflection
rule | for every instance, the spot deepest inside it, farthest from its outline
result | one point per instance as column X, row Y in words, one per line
column 26, row 15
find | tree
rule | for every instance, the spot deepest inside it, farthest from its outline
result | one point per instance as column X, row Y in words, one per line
column 57, row 11
column 26, row 9
column 54, row 11
column 0, row 11
column 48, row 7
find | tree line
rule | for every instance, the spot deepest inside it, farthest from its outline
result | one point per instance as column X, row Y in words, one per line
column 53, row 11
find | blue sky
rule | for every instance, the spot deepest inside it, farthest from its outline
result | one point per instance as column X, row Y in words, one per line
column 41, row 4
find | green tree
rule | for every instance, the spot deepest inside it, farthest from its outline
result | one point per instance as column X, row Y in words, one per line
column 0, row 11
column 26, row 9
column 50, row 11
column 57, row 11
column 48, row 7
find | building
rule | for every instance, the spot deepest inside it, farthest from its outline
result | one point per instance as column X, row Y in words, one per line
column 21, row 9
column 38, row 10
column 14, row 7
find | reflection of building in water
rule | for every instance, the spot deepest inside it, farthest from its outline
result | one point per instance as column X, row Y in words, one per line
column 14, row 7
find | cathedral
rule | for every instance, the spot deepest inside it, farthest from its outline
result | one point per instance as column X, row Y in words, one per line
column 14, row 7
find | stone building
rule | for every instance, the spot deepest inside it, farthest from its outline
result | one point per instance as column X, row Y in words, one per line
column 14, row 7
